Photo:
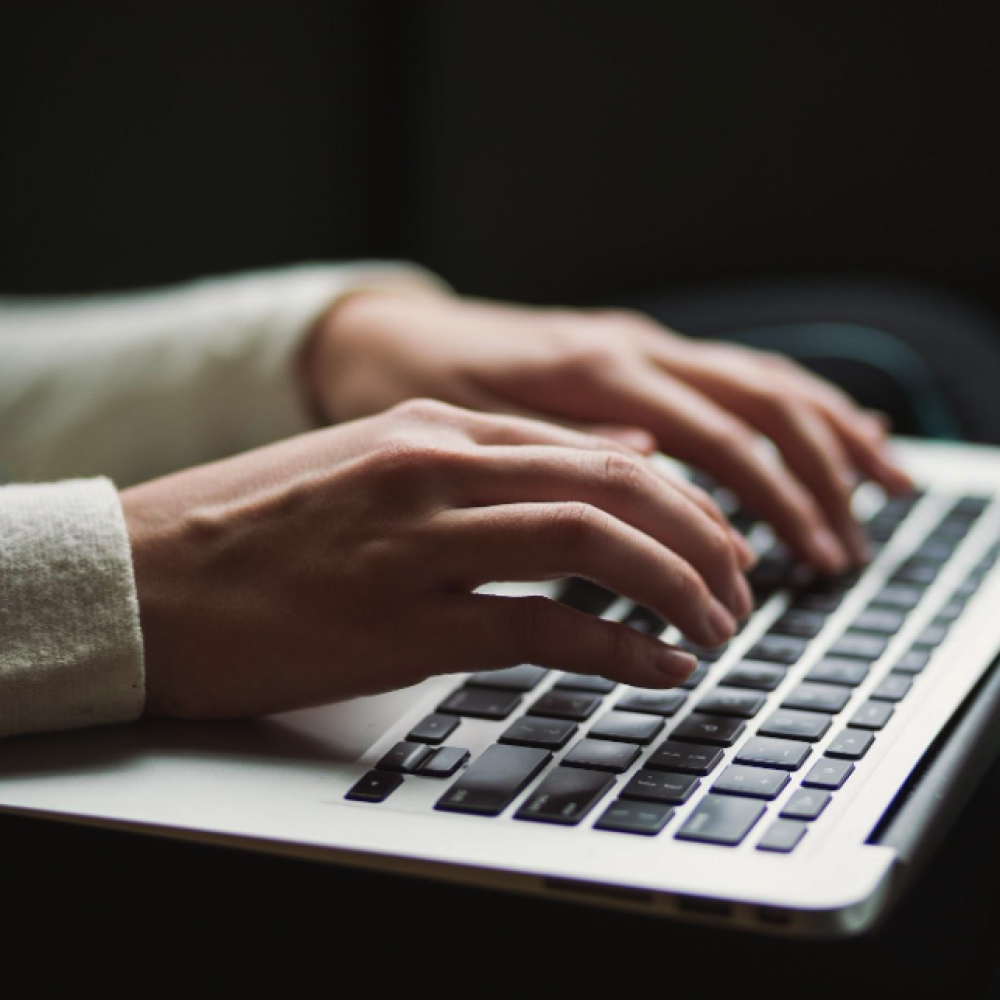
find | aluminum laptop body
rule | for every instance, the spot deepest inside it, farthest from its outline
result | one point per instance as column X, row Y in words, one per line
column 279, row 784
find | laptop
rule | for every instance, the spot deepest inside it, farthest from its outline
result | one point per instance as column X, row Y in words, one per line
column 793, row 786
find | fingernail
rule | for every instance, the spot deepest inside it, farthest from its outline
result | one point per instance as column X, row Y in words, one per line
column 860, row 546
column 830, row 551
column 747, row 555
column 676, row 665
column 720, row 623
column 743, row 602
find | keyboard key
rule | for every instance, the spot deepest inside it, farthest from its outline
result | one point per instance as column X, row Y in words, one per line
column 806, row 804
column 523, row 678
column 731, row 701
column 644, row 620
column 812, row 697
column 970, row 506
column 532, row 731
column 778, row 649
column 627, row 727
column 859, row 646
column 827, row 773
column 898, row 596
column 647, row 818
column 443, row 762
column 375, row 786
column 585, row 682
column 934, row 551
column 494, row 780
column 912, row 662
column 951, row 611
column 882, row 621
column 756, row 782
column 824, row 599
column 565, row 796
column 567, row 705
column 756, row 676
column 851, row 744
column 663, row 703
column 686, row 758
column 660, row 786
column 918, row 573
column 782, row 836
column 586, row 596
column 481, row 703
column 784, row 754
column 713, row 729
column 873, row 715
column 801, row 623
column 696, row 677
column 721, row 819
column 893, row 688
column 602, row 755
column 704, row 653
column 795, row 725
column 436, row 728
column 932, row 636
column 850, row 673
column 405, row 757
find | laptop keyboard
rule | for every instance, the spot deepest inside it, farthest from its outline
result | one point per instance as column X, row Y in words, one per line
column 765, row 740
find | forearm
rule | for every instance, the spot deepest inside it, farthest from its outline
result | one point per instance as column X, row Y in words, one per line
column 134, row 386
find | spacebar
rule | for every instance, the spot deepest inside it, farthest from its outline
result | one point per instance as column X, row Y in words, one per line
column 494, row 780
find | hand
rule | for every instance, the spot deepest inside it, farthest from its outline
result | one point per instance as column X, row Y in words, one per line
column 621, row 375
column 343, row 562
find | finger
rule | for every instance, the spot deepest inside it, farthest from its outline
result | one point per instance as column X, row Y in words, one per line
column 493, row 632
column 623, row 486
column 547, row 541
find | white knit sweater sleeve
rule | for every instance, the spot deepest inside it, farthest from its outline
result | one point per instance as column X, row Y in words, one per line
column 70, row 646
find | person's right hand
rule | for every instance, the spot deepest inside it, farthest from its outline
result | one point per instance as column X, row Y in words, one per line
column 344, row 562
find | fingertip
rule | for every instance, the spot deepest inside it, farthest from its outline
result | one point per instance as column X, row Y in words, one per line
column 675, row 665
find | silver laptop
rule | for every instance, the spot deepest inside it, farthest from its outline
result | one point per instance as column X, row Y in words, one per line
column 792, row 786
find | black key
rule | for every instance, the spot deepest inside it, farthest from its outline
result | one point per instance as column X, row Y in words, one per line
column 899, row 597
column 644, row 620
column 586, row 596
column 932, row 636
column 375, row 786
column 731, row 701
column 778, row 649
column 812, row 697
column 567, row 705
column 494, row 780
column 951, row 611
column 967, row 587
column 665, row 703
column 565, row 796
column 827, row 773
column 873, row 715
column 858, row 646
column 721, row 819
column 436, row 728
column 481, row 703
column 532, row 731
column 443, row 762
column 882, row 621
column 602, row 755
column 782, row 836
column 712, row 729
column 685, row 758
column 912, row 662
column 881, row 529
column 405, row 757
column 784, row 754
column 970, row 506
column 755, row 782
column 586, row 682
column 920, row 574
column 895, row 687
column 954, row 528
column 806, row 804
column 850, row 673
column 934, row 551
column 794, row 725
column 706, row 654
column 660, row 786
column 523, row 678
column 801, row 623
column 627, row 727
column 824, row 600
column 696, row 677
column 756, row 676
column 647, row 818
column 851, row 744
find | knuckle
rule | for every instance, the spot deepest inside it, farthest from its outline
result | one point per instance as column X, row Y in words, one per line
column 620, row 472
column 573, row 524
column 422, row 411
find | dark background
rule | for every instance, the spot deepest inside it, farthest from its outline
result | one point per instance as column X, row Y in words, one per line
column 572, row 151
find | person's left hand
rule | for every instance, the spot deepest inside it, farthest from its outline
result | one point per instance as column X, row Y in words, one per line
column 622, row 375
